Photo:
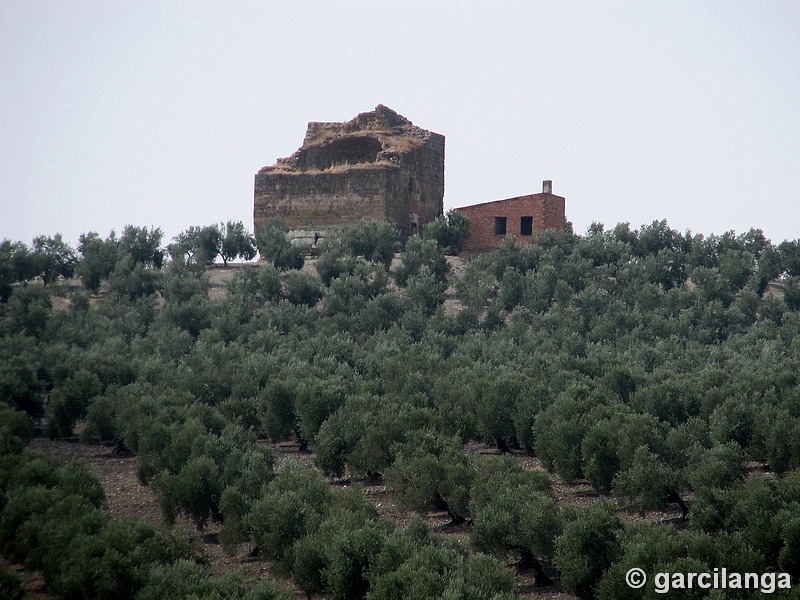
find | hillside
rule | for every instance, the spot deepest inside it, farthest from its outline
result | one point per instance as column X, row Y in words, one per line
column 523, row 424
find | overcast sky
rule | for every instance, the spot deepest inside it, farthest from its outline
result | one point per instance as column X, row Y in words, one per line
column 160, row 113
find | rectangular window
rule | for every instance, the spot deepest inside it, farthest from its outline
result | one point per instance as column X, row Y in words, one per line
column 499, row 225
column 526, row 225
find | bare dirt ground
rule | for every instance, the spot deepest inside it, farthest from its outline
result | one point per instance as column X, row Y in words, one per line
column 32, row 581
column 126, row 496
column 220, row 276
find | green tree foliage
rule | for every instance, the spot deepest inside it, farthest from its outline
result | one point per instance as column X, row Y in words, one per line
column 198, row 245
column 449, row 232
column 236, row 242
column 496, row 399
column 425, row 292
column 234, row 507
column 560, row 430
column 8, row 277
column 720, row 467
column 53, row 258
column 432, row 473
column 316, row 400
column 261, row 283
column 275, row 247
column 11, row 585
column 515, row 514
column 414, row 564
column 332, row 262
column 186, row 302
column 51, row 521
column 18, row 264
column 131, row 280
column 276, row 410
column 588, row 547
column 789, row 252
column 202, row 245
column 648, row 483
column 420, row 255
column 612, row 440
column 143, row 245
column 782, row 439
column 660, row 366
column 28, row 310
column 188, row 579
column 374, row 240
column 350, row 293
column 292, row 506
column 98, row 259
column 16, row 429
column 303, row 289
column 70, row 401
column 349, row 556
column 195, row 490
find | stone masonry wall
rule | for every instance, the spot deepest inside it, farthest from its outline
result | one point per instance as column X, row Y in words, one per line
column 417, row 187
column 376, row 166
column 321, row 200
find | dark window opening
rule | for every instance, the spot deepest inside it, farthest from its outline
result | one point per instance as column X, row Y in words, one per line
column 526, row 226
column 499, row 225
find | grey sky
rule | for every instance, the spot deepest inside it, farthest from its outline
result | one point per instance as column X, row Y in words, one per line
column 160, row 113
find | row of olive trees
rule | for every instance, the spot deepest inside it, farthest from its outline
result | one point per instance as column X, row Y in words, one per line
column 610, row 356
column 749, row 528
column 96, row 259
column 51, row 520
column 48, row 259
column 331, row 541
column 202, row 245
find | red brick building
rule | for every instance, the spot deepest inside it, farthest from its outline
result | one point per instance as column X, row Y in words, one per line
column 521, row 217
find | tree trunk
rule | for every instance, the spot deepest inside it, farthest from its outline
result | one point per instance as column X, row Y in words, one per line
column 529, row 450
column 502, row 446
column 528, row 561
column 674, row 497
column 440, row 503
column 301, row 441
column 455, row 519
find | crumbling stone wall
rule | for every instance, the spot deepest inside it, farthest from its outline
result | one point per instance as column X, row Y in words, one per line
column 377, row 166
column 544, row 211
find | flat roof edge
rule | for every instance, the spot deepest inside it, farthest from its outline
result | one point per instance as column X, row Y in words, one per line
column 523, row 197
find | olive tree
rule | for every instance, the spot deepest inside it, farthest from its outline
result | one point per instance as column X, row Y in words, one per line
column 276, row 247
column 53, row 258
column 589, row 545
column 236, row 242
column 432, row 473
column 374, row 240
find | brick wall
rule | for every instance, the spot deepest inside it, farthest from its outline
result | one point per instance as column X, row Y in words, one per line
column 547, row 211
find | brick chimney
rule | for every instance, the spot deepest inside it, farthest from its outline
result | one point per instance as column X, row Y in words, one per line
column 547, row 186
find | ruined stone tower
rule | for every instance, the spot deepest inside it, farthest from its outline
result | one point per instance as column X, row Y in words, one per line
column 377, row 166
